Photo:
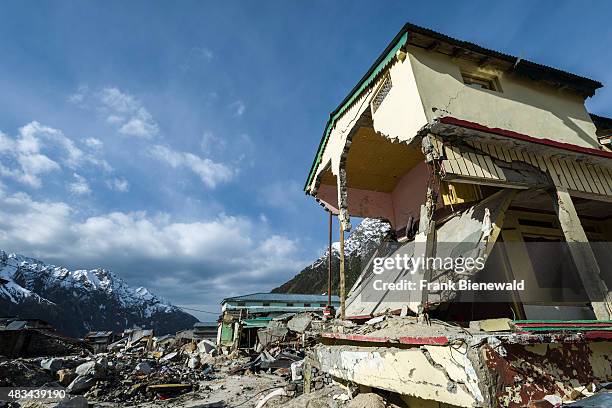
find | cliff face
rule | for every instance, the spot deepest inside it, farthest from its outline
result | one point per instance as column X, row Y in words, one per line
column 76, row 302
column 358, row 248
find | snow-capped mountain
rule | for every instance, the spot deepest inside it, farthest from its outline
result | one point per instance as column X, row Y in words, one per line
column 79, row 301
column 358, row 248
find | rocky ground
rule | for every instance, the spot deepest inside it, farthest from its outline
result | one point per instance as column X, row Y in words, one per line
column 222, row 381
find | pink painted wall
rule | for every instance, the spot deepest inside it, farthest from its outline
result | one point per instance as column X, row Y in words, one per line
column 396, row 207
column 409, row 194
column 362, row 203
column 328, row 196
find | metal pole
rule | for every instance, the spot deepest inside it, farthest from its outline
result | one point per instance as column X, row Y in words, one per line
column 329, row 262
column 342, row 283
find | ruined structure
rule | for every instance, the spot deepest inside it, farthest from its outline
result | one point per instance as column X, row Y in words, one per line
column 243, row 316
column 471, row 153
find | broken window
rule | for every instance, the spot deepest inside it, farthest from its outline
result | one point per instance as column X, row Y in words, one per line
column 241, row 304
column 306, row 304
column 289, row 304
column 266, row 304
column 481, row 82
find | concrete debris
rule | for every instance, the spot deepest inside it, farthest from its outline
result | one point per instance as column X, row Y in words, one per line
column 384, row 361
column 34, row 342
column 276, row 393
column 51, row 364
column 367, row 400
column 491, row 325
column 81, row 384
column 144, row 368
column 296, row 370
column 207, row 346
column 300, row 322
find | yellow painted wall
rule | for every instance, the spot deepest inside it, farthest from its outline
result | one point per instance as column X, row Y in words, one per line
column 523, row 106
column 401, row 114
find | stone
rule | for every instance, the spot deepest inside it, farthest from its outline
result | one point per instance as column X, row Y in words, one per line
column 81, row 384
column 207, row 346
column 52, row 364
column 194, row 362
column 367, row 400
column 300, row 322
column 144, row 368
column 92, row 369
column 74, row 402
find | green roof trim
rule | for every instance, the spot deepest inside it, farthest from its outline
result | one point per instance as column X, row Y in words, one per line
column 381, row 63
column 257, row 322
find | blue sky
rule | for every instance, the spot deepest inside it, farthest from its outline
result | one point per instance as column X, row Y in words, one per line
column 169, row 141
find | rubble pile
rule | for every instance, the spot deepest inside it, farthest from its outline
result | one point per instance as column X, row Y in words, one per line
column 22, row 372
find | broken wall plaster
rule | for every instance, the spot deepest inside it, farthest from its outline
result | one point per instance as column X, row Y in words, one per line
column 411, row 371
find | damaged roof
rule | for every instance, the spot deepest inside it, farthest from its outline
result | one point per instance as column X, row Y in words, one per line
column 281, row 297
column 603, row 124
column 425, row 38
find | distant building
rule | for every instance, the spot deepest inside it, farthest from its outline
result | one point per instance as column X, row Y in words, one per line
column 205, row 330
column 277, row 303
column 243, row 315
column 16, row 323
column 99, row 341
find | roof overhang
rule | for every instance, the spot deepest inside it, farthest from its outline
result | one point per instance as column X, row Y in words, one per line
column 414, row 35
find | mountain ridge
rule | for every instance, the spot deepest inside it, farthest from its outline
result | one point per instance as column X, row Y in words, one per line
column 78, row 301
column 358, row 248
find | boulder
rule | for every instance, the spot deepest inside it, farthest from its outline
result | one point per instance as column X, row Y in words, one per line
column 52, row 364
column 81, row 384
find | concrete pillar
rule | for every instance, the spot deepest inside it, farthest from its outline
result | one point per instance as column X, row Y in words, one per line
column 345, row 225
column 582, row 253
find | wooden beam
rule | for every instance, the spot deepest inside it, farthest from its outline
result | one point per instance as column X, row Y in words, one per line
column 582, row 253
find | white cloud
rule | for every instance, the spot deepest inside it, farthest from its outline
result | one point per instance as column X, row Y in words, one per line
column 238, row 107
column 118, row 101
column 78, row 98
column 28, row 154
column 125, row 111
column 210, row 172
column 80, row 186
column 94, row 143
column 141, row 124
column 120, row 109
column 222, row 254
column 212, row 144
column 118, row 184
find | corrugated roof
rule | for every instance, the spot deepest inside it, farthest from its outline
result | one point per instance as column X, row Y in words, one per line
column 281, row 297
column 407, row 34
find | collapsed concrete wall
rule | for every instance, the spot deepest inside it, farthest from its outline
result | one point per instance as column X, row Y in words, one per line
column 497, row 370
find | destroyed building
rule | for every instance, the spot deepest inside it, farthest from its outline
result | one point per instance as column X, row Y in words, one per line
column 242, row 316
column 471, row 153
